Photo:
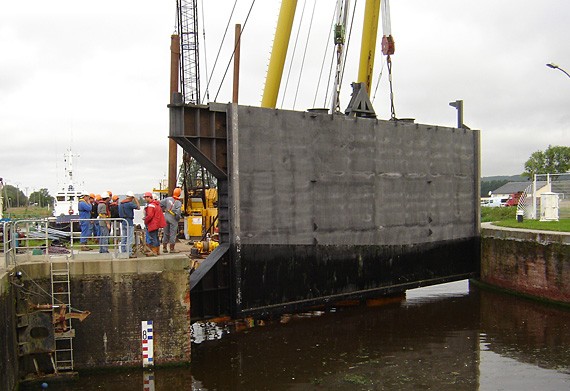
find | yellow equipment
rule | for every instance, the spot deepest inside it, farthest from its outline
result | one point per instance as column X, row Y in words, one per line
column 201, row 220
column 204, row 247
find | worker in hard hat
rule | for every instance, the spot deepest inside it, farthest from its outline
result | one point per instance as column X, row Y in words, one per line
column 153, row 220
column 103, row 214
column 127, row 213
column 172, row 208
column 84, row 216
column 94, row 200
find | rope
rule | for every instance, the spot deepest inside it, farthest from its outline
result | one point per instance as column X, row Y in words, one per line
column 304, row 54
column 220, row 48
column 50, row 295
column 234, row 51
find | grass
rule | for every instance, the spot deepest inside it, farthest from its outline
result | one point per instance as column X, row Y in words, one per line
column 25, row 212
column 506, row 217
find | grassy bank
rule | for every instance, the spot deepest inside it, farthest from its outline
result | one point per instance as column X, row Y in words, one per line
column 27, row 212
column 506, row 217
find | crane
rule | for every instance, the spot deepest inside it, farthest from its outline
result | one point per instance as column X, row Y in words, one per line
column 187, row 28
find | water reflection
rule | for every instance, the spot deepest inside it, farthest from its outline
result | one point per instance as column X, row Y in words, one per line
column 448, row 337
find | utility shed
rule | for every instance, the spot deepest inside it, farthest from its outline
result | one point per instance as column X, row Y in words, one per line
column 316, row 208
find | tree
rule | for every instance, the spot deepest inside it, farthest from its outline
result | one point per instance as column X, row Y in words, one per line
column 42, row 198
column 553, row 160
column 14, row 197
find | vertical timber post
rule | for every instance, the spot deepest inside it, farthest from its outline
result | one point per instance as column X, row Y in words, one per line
column 174, row 81
column 236, row 63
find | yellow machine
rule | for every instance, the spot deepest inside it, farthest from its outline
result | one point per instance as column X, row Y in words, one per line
column 201, row 221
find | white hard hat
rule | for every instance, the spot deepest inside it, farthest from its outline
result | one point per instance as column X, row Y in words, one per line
column 130, row 193
column 104, row 194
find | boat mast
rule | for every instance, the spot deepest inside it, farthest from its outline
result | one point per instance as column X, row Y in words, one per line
column 278, row 53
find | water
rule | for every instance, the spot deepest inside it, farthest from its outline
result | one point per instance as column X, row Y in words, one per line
column 447, row 337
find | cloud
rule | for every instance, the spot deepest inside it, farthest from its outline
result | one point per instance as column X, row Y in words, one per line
column 95, row 77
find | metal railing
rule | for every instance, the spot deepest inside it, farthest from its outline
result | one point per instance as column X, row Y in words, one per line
column 8, row 256
column 530, row 201
column 38, row 238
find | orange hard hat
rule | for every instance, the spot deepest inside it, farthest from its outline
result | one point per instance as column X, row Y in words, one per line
column 115, row 197
column 177, row 192
column 97, row 197
column 92, row 195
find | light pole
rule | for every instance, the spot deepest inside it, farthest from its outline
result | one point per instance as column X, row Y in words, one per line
column 554, row 66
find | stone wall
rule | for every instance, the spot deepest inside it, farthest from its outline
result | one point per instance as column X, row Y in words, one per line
column 530, row 263
column 119, row 295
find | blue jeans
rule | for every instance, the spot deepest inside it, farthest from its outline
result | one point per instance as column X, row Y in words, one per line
column 154, row 238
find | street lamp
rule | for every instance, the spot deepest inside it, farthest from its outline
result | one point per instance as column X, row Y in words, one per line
column 554, row 66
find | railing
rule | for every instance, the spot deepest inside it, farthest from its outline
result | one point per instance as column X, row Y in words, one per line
column 39, row 237
column 530, row 200
column 8, row 258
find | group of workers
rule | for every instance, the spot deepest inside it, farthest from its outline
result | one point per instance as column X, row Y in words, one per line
column 97, row 214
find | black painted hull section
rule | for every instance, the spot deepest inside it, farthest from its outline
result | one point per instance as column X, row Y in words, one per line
column 276, row 278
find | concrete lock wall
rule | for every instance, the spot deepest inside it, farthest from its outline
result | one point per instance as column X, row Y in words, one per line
column 529, row 263
column 8, row 346
column 120, row 294
column 324, row 205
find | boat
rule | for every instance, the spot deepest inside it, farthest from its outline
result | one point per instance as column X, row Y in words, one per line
column 67, row 198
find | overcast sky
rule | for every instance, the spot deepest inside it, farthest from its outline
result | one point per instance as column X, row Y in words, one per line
column 94, row 76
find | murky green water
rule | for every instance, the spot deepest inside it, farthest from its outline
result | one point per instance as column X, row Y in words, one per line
column 447, row 337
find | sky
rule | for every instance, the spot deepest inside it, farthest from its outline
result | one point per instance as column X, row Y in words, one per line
column 94, row 77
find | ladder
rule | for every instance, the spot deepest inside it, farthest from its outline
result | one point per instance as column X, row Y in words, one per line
column 61, row 305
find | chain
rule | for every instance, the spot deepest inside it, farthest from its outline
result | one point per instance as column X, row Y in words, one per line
column 392, row 109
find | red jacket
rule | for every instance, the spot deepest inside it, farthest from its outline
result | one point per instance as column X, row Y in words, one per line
column 154, row 219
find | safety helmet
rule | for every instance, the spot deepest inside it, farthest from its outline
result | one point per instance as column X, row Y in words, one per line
column 97, row 197
column 91, row 195
column 104, row 195
column 130, row 193
column 177, row 192
column 115, row 197
column 148, row 194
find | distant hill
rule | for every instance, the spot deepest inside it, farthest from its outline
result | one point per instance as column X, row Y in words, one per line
column 508, row 178
column 491, row 183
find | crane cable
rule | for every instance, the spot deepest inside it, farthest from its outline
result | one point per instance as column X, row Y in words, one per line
column 235, row 48
column 207, row 93
column 392, row 109
column 323, row 63
column 293, row 54
column 304, row 54
column 378, row 82
column 347, row 44
column 219, row 50
column 388, row 49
